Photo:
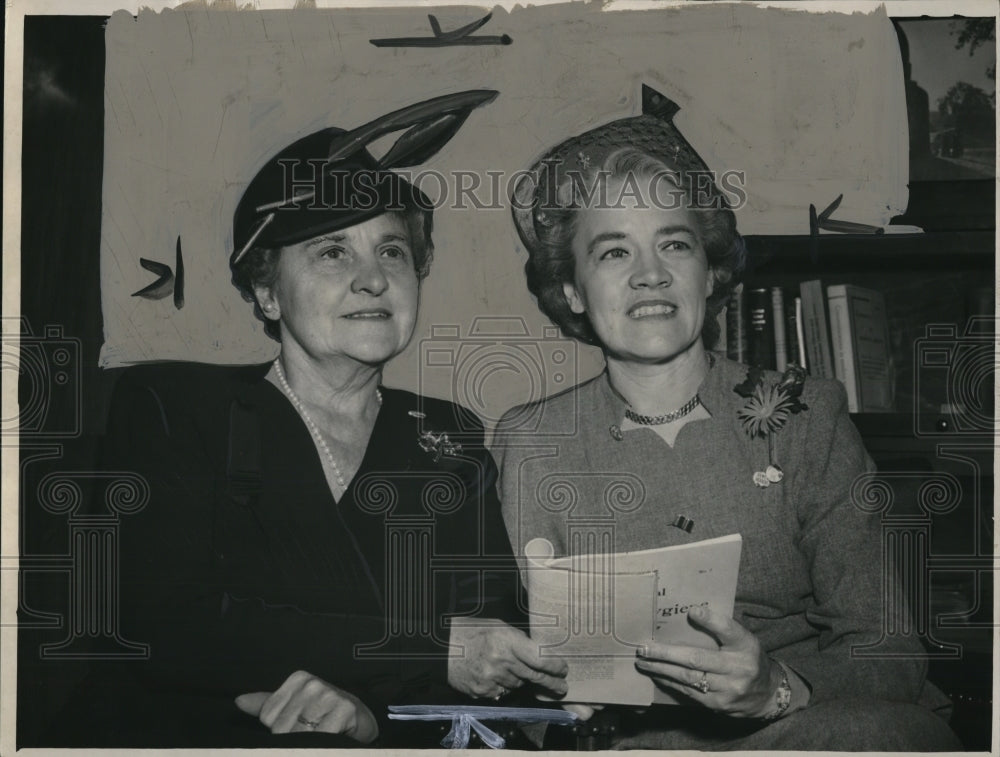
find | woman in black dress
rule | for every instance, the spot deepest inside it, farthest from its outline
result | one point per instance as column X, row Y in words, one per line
column 316, row 546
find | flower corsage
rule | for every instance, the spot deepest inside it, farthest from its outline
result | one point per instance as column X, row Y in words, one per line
column 766, row 410
column 438, row 444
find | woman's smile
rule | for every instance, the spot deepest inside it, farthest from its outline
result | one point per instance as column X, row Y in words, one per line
column 652, row 309
column 369, row 314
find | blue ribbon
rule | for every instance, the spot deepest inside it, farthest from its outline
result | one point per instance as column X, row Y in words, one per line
column 465, row 718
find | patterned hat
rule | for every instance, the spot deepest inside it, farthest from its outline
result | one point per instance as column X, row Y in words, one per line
column 328, row 181
column 544, row 186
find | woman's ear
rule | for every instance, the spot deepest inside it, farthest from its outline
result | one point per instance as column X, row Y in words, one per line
column 710, row 282
column 268, row 302
column 573, row 298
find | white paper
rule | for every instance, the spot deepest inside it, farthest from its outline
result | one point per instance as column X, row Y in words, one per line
column 595, row 610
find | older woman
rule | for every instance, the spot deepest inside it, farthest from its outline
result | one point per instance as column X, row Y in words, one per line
column 630, row 249
column 316, row 545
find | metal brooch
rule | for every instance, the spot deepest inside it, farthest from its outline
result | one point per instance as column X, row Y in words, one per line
column 438, row 445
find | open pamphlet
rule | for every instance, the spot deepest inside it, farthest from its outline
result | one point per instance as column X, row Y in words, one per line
column 595, row 609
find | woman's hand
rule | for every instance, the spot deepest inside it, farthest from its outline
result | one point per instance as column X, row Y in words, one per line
column 307, row 703
column 583, row 711
column 741, row 679
column 488, row 658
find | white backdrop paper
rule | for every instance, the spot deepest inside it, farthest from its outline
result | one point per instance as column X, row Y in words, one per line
column 808, row 105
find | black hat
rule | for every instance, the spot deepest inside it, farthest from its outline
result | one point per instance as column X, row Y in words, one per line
column 328, row 181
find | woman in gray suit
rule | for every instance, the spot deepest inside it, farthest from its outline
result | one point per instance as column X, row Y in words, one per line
column 632, row 250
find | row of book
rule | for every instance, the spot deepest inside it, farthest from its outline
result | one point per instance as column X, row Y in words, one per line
column 839, row 331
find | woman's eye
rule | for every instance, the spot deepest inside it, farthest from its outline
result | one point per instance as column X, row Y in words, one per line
column 394, row 252
column 614, row 253
column 675, row 245
column 333, row 253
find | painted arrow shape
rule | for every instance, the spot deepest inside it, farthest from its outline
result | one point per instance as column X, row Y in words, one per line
column 460, row 36
column 167, row 282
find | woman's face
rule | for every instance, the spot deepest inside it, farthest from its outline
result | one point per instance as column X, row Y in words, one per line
column 352, row 293
column 641, row 276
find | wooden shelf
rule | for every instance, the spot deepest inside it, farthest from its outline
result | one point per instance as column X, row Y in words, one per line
column 835, row 253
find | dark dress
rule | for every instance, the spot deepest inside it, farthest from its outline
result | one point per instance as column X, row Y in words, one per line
column 242, row 568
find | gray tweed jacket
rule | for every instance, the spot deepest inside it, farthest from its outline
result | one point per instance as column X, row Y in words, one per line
column 811, row 579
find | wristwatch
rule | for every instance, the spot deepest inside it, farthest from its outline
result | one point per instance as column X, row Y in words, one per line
column 782, row 696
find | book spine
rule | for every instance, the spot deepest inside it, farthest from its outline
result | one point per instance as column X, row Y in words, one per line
column 761, row 332
column 800, row 334
column 736, row 327
column 780, row 333
column 871, row 349
column 792, row 331
column 817, row 334
column 843, row 347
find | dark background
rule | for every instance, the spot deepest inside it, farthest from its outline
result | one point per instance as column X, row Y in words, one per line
column 62, row 163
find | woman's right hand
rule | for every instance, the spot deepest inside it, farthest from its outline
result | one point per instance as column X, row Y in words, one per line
column 307, row 703
column 488, row 658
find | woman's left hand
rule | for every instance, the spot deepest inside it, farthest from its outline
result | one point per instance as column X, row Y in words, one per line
column 307, row 703
column 741, row 679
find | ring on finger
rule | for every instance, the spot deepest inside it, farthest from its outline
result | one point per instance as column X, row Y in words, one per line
column 312, row 725
column 702, row 684
column 503, row 692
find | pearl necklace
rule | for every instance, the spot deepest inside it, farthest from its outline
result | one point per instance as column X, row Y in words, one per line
column 311, row 425
column 659, row 420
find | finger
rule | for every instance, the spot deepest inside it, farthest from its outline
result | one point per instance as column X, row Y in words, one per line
column 252, row 703
column 491, row 674
column 272, row 708
column 286, row 720
column 338, row 720
column 485, row 686
column 695, row 658
column 314, row 714
column 555, row 684
column 582, row 711
column 485, row 680
column 508, row 679
column 496, row 686
column 669, row 671
column 727, row 631
column 307, row 696
column 670, row 674
column 305, row 723
column 527, row 651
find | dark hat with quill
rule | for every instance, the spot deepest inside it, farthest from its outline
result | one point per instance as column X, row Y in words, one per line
column 328, row 180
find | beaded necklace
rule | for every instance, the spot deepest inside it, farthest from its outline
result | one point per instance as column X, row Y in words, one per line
column 311, row 425
column 659, row 420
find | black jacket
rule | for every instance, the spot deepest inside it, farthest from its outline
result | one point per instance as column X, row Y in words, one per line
column 242, row 569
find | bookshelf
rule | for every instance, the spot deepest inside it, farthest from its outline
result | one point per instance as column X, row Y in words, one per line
column 932, row 279
column 939, row 441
